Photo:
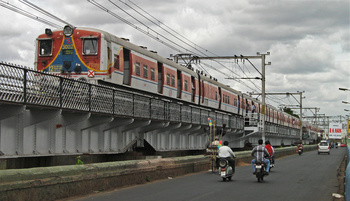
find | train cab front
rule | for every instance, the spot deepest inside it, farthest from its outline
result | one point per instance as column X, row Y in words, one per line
column 69, row 52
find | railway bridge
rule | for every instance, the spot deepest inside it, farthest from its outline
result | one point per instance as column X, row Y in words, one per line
column 45, row 116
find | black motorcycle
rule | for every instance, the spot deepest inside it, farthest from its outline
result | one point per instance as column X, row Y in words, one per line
column 260, row 170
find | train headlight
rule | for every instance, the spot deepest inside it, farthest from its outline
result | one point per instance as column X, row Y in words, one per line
column 68, row 30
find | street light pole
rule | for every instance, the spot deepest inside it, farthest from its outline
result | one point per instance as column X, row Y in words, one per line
column 301, row 116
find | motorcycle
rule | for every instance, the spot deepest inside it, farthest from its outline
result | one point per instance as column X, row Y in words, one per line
column 259, row 171
column 225, row 170
column 300, row 151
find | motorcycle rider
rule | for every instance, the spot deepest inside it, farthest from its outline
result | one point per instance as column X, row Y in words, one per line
column 259, row 153
column 300, row 146
column 226, row 152
column 271, row 151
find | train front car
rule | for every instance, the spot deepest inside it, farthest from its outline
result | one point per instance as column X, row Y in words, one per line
column 71, row 52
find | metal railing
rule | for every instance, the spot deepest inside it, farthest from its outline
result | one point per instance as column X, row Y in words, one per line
column 22, row 85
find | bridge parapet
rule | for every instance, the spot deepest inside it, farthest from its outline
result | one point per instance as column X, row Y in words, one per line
column 44, row 114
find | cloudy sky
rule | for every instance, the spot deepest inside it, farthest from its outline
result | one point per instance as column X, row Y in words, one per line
column 308, row 41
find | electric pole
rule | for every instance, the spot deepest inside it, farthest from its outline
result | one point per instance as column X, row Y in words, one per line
column 263, row 64
column 300, row 117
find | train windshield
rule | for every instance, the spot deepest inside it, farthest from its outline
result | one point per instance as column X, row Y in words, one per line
column 90, row 46
column 45, row 47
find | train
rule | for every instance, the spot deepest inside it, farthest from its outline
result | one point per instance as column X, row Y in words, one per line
column 96, row 56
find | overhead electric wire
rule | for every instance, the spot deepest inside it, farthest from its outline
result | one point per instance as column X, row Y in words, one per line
column 37, row 8
column 166, row 27
column 138, row 28
column 27, row 14
column 32, row 16
column 100, row 6
column 132, row 25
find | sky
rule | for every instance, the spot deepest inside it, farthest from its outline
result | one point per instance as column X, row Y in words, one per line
column 308, row 41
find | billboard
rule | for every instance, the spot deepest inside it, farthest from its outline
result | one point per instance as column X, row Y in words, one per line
column 335, row 131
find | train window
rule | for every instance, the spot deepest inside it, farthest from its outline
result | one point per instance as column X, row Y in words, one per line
column 216, row 95
column 89, row 46
column 116, row 61
column 138, row 68
column 153, row 75
column 186, row 85
column 145, row 71
column 173, row 80
column 168, row 79
column 45, row 47
column 235, row 102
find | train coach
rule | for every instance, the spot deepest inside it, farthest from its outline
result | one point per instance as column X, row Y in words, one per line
column 98, row 57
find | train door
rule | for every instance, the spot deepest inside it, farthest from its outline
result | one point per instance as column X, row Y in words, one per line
column 219, row 97
column 109, row 55
column 127, row 69
column 160, row 77
column 246, row 107
column 193, row 86
column 179, row 84
column 202, row 92
column 239, row 104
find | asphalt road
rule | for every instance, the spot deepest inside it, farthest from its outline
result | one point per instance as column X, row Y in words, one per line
column 306, row 177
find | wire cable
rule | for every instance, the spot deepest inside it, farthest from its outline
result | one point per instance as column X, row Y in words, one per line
column 158, row 26
column 37, row 8
column 27, row 14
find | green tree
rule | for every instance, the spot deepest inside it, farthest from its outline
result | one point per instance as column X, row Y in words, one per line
column 290, row 111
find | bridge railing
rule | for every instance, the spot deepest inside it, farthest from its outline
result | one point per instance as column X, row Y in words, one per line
column 22, row 85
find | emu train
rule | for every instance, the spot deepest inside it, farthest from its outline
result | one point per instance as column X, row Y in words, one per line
column 96, row 56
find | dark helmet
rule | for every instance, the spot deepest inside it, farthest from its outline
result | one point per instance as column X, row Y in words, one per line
column 225, row 143
column 267, row 142
column 260, row 141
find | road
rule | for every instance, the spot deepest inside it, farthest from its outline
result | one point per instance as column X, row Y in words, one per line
column 306, row 177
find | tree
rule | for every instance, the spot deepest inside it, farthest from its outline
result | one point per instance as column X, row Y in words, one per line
column 290, row 111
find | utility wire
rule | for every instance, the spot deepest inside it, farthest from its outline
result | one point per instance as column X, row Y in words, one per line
column 27, row 14
column 164, row 30
column 132, row 25
column 37, row 8
column 100, row 6
column 161, row 23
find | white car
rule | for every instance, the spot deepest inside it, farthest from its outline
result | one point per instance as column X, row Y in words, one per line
column 323, row 147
